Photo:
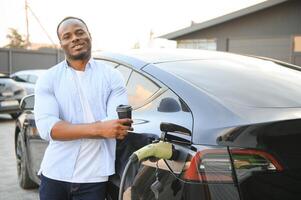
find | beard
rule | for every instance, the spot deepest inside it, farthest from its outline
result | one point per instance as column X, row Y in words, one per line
column 81, row 56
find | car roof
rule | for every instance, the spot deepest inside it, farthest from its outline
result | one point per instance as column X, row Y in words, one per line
column 37, row 72
column 141, row 57
column 214, row 114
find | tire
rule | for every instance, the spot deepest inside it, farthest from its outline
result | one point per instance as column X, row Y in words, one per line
column 22, row 169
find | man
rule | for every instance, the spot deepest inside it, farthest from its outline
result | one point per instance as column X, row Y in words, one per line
column 75, row 110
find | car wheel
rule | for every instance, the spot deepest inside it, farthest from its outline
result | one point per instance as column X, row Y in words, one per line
column 14, row 115
column 23, row 176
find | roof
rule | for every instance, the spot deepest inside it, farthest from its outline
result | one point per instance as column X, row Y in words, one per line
column 222, row 19
column 140, row 58
column 37, row 72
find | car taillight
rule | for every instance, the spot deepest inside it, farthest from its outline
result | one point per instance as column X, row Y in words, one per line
column 250, row 161
column 214, row 165
column 210, row 165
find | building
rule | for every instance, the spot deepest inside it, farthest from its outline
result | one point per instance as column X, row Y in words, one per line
column 13, row 60
column 270, row 29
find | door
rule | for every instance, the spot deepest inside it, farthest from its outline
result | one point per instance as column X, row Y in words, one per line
column 152, row 104
column 275, row 47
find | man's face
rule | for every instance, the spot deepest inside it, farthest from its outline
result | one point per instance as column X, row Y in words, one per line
column 75, row 39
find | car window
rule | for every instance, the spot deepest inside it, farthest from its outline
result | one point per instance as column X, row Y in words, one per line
column 21, row 78
column 238, row 73
column 140, row 89
column 125, row 71
column 32, row 79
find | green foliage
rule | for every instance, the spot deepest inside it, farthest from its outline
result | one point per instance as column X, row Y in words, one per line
column 15, row 39
column 136, row 46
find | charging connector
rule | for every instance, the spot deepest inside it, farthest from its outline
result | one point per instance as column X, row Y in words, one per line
column 160, row 150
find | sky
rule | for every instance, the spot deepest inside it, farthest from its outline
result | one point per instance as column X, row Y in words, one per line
column 114, row 24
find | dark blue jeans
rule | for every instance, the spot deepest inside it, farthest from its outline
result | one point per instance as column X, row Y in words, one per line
column 59, row 190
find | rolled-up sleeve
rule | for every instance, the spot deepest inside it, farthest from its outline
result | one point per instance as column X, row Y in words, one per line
column 46, row 108
column 118, row 95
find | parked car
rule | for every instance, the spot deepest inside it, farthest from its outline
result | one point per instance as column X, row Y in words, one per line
column 28, row 78
column 11, row 94
column 238, row 119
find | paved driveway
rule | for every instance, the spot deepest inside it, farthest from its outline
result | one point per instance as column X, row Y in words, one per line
column 9, row 188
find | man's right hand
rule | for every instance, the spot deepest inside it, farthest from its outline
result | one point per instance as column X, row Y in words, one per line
column 117, row 128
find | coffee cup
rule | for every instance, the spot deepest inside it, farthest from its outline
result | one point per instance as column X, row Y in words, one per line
column 124, row 111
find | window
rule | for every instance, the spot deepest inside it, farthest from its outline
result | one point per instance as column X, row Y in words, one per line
column 125, row 71
column 140, row 89
column 297, row 44
column 32, row 79
column 209, row 44
column 20, row 78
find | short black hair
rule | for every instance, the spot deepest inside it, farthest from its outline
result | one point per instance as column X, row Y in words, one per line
column 67, row 18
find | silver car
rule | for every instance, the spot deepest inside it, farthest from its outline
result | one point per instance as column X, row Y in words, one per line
column 11, row 94
column 28, row 78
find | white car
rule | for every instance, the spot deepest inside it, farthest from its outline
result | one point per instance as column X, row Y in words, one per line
column 28, row 78
column 11, row 94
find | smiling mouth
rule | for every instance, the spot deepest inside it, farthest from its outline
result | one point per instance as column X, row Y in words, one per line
column 78, row 46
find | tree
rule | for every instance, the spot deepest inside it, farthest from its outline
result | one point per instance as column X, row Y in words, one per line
column 136, row 46
column 15, row 39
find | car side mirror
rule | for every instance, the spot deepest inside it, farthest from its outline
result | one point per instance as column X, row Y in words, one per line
column 27, row 102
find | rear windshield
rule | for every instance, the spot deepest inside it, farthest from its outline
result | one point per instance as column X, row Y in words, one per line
column 242, row 80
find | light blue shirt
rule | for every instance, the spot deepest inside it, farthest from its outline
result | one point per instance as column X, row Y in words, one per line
column 57, row 98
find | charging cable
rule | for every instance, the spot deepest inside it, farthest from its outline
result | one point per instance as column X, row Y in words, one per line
column 160, row 150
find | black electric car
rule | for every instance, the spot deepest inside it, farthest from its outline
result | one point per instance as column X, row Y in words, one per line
column 237, row 119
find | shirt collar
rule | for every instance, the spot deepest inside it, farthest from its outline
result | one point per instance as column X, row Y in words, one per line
column 89, row 64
